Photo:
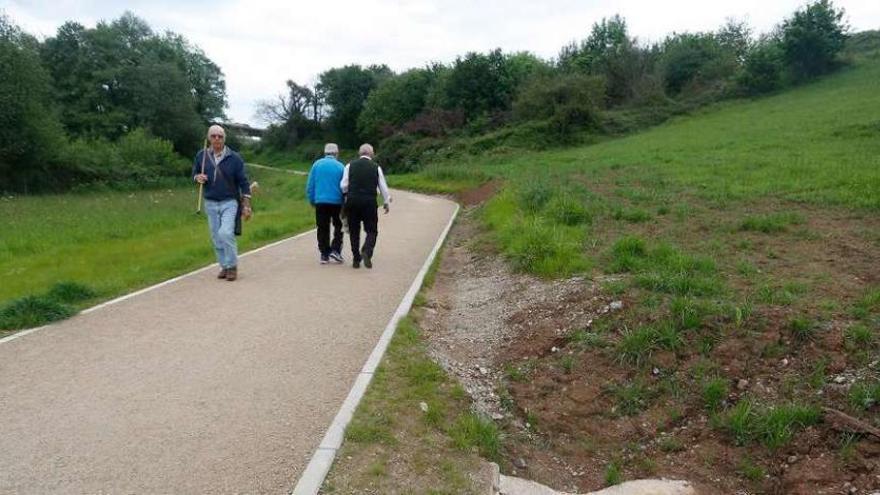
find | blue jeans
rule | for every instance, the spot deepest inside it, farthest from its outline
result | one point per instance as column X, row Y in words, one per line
column 221, row 221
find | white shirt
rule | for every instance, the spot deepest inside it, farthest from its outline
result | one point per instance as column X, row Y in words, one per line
column 383, row 187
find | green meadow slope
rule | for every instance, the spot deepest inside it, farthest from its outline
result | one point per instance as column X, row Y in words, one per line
column 818, row 143
column 743, row 241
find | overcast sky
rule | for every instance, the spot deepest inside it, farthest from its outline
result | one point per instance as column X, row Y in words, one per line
column 259, row 44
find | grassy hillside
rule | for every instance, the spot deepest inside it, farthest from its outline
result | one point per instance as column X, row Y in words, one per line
column 743, row 242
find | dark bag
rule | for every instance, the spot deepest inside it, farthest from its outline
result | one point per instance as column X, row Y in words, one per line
column 229, row 183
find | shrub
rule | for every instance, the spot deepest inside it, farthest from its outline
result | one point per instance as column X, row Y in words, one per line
column 694, row 59
column 812, row 38
column 763, row 68
column 569, row 102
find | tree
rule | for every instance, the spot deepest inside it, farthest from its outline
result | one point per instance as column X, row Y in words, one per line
column 119, row 76
column 607, row 38
column 610, row 52
column 812, row 38
column 345, row 91
column 763, row 67
column 396, row 101
column 693, row 58
column 478, row 84
column 290, row 115
column 567, row 101
column 30, row 134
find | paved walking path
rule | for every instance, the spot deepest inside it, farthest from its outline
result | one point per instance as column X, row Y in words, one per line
column 205, row 386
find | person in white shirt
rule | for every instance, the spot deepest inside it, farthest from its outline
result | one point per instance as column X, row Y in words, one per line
column 360, row 181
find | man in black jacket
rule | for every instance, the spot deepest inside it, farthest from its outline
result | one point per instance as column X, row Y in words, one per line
column 360, row 180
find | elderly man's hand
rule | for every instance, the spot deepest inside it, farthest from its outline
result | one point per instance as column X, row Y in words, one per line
column 201, row 178
column 387, row 208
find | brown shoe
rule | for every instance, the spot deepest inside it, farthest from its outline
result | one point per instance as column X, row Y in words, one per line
column 231, row 274
column 222, row 273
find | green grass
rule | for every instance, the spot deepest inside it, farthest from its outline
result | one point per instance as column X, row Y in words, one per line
column 532, row 242
column 772, row 223
column 864, row 394
column 613, row 474
column 473, row 430
column 751, row 471
column 440, row 180
column 631, row 398
column 859, row 337
column 665, row 268
column 773, row 427
column 636, row 346
column 714, row 393
column 115, row 242
column 802, row 329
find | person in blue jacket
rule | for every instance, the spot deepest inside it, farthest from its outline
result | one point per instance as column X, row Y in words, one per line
column 225, row 183
column 325, row 195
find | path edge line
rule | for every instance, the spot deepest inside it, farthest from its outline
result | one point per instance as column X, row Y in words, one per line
column 150, row 288
column 311, row 479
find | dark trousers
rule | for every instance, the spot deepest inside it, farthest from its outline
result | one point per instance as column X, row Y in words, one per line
column 324, row 215
column 366, row 213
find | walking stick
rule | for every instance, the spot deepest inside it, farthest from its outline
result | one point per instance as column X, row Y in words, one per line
column 202, row 185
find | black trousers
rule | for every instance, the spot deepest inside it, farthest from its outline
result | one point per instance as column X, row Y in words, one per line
column 324, row 215
column 367, row 213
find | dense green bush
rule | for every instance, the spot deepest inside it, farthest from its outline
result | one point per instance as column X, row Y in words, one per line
column 695, row 60
column 568, row 101
column 135, row 159
column 812, row 38
column 764, row 67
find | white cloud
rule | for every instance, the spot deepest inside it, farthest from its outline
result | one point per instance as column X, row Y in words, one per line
column 260, row 44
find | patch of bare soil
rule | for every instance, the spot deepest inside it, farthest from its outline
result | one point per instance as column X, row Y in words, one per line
column 507, row 338
column 479, row 194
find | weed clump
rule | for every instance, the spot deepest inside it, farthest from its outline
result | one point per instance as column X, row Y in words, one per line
column 772, row 427
column 33, row 311
column 771, row 224
column 70, row 292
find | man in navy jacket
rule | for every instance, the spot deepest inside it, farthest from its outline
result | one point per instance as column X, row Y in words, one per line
column 224, row 182
column 325, row 195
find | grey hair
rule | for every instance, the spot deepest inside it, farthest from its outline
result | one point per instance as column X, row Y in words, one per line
column 331, row 149
column 366, row 149
column 216, row 127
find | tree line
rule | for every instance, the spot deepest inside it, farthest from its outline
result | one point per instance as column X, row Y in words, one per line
column 120, row 103
column 607, row 82
column 114, row 103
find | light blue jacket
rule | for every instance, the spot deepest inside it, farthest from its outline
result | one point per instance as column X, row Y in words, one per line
column 324, row 178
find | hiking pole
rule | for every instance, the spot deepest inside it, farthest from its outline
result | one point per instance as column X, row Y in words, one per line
column 201, row 184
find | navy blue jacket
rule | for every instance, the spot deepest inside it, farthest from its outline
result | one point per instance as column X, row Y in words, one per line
column 232, row 167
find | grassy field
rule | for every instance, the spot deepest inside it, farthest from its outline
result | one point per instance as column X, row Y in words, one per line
column 744, row 243
column 114, row 242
